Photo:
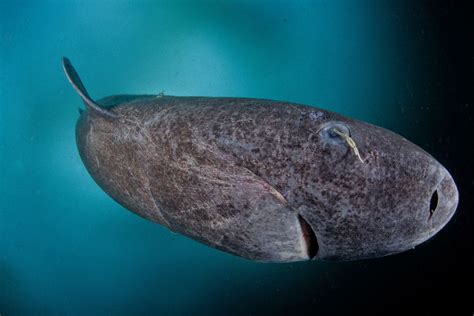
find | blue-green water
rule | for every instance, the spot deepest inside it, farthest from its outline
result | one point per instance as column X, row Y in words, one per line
column 66, row 247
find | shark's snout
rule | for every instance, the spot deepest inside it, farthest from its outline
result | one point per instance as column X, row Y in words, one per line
column 443, row 202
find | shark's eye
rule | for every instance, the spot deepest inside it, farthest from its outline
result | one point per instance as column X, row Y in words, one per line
column 330, row 132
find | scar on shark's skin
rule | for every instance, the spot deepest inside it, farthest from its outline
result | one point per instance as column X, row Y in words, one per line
column 252, row 178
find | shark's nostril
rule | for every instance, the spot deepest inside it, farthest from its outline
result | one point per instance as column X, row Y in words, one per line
column 433, row 202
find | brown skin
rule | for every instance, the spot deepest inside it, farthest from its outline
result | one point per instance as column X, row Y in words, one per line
column 262, row 179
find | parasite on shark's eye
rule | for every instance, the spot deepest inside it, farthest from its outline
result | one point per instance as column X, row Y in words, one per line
column 336, row 132
column 331, row 132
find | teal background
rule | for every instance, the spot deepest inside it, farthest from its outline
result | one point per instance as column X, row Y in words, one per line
column 66, row 247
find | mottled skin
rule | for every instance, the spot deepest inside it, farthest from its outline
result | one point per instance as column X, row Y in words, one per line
column 260, row 179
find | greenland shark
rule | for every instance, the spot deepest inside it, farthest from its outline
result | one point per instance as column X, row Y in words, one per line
column 266, row 180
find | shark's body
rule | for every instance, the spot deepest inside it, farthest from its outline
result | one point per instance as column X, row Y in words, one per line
column 265, row 180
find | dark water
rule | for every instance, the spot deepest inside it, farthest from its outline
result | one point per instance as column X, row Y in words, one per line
column 67, row 248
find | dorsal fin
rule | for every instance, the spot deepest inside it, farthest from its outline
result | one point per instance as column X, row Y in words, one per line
column 76, row 83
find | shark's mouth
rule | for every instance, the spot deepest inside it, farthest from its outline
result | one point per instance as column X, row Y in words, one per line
column 309, row 238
